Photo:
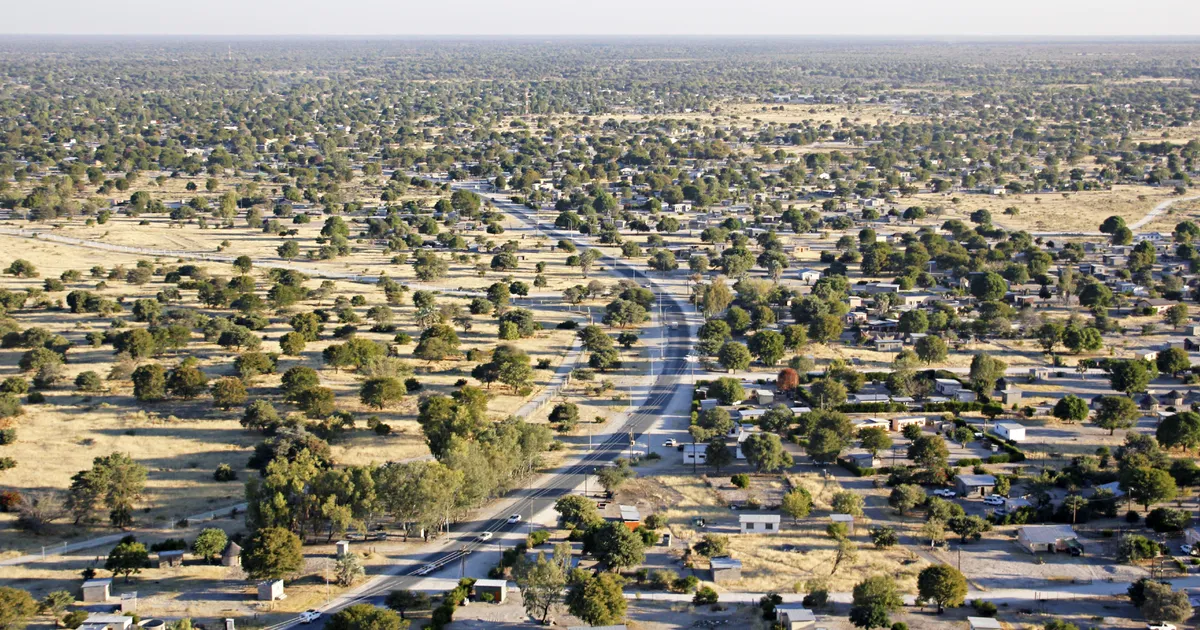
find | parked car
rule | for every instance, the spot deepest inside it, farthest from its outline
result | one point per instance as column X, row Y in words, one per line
column 1188, row 550
column 309, row 616
column 485, row 536
column 425, row 570
column 670, row 443
column 1160, row 625
column 515, row 518
column 945, row 492
column 992, row 499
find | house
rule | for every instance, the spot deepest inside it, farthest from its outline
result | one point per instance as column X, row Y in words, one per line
column 1171, row 399
column 1191, row 536
column 964, row 395
column 172, row 558
column 975, row 485
column 871, row 423
column 1154, row 306
column 794, row 617
column 857, row 399
column 759, row 523
column 498, row 589
column 862, row 459
column 764, row 396
column 1011, row 431
column 888, row 345
column 270, row 590
column 630, row 516
column 725, row 569
column 107, row 622
column 1051, row 538
column 898, row 424
column 341, row 548
column 1113, row 486
column 1016, row 503
column 809, row 276
column 946, row 386
column 232, row 557
column 695, row 453
column 846, row 519
column 96, row 590
column 984, row 623
column 1010, row 396
column 1148, row 403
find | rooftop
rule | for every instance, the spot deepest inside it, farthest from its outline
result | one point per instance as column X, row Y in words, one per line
column 1047, row 534
column 725, row 562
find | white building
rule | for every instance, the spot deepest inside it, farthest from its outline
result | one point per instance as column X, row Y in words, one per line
column 1011, row 431
column 695, row 454
column 759, row 523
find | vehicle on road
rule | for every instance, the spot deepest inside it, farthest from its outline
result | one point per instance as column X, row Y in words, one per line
column 485, row 536
column 993, row 499
column 515, row 518
column 670, row 443
column 426, row 570
column 1160, row 625
column 309, row 616
column 945, row 492
column 1189, row 550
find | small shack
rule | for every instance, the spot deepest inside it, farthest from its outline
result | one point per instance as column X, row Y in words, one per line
column 764, row 396
column 97, row 590
column 341, row 548
column 975, row 485
column 1050, row 538
column 759, row 523
column 1011, row 431
column 725, row 569
column 173, row 558
column 984, row 623
column 695, row 453
column 630, row 516
column 847, row 519
column 898, row 424
column 232, row 556
column 129, row 602
column 270, row 590
column 1010, row 396
column 497, row 589
column 794, row 617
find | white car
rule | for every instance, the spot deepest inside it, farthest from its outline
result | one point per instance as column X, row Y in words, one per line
column 485, row 536
column 1188, row 550
column 1160, row 625
column 670, row 443
column 309, row 616
column 945, row 492
column 993, row 500
column 515, row 518
column 425, row 570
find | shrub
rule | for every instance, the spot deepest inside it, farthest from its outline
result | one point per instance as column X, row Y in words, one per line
column 537, row 538
column 984, row 608
column 741, row 480
column 225, row 472
column 705, row 595
column 1132, row 517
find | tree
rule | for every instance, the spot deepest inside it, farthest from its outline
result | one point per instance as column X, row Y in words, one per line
column 1172, row 361
column 825, row 328
column 577, row 512
column 348, row 569
column 541, row 583
column 1129, row 376
column 768, row 346
column 985, row 371
column 935, row 530
column 1177, row 315
column 874, row 440
column 273, row 553
column 824, row 445
column 969, row 527
column 931, row 349
column 53, row 604
column 847, row 502
column 764, row 451
column 874, row 599
column 717, row 454
column 150, row 383
column 727, row 390
column 1116, row 412
column 905, row 497
column 1161, row 603
column 115, row 480
column 127, row 558
column 787, row 381
column 210, row 542
column 1049, row 335
column 1071, row 408
column 598, row 600
column 827, row 393
column 797, row 503
column 260, row 415
column 988, row 287
column 734, row 356
column 1148, row 485
column 401, row 601
column 366, row 617
column 382, row 392
column 17, row 607
column 943, row 584
column 228, row 392
column 1181, row 429
column 929, row 451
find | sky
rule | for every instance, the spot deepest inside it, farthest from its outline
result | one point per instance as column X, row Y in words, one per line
column 943, row 18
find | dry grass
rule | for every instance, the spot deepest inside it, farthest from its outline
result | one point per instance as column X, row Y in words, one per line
column 1052, row 212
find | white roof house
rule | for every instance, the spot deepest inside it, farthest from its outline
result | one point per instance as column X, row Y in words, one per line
column 759, row 523
column 106, row 622
column 984, row 623
column 1011, row 431
column 794, row 617
column 1053, row 538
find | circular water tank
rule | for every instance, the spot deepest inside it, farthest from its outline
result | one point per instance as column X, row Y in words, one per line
column 153, row 624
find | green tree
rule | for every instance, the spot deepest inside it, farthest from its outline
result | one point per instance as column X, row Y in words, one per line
column 541, row 582
column 874, row 600
column 717, row 454
column 797, row 503
column 985, row 371
column 931, row 349
column 1129, row 376
column 598, row 600
column 115, row 481
column 827, row 393
column 17, row 607
column 1172, row 361
column 988, row 287
column 228, row 392
column 1161, row 603
column 382, row 392
column 127, row 558
column 210, row 543
column 768, row 346
column 874, row 440
column 1181, row 429
column 1071, row 408
column 942, row 584
column 824, row 445
column 1148, row 485
column 150, row 383
column 273, row 553
column 1116, row 412
column 905, row 497
column 366, row 617
column 929, row 451
column 734, row 356
column 726, row 390
column 847, row 502
column 764, row 451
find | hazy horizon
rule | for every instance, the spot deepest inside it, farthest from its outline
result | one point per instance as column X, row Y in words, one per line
column 663, row 18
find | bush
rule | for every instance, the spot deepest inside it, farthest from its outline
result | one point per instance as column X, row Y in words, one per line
column 537, row 538
column 74, row 619
column 1132, row 517
column 663, row 579
column 8, row 436
column 225, row 472
column 685, row 584
column 741, row 480
column 984, row 608
column 1164, row 520
column 705, row 595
